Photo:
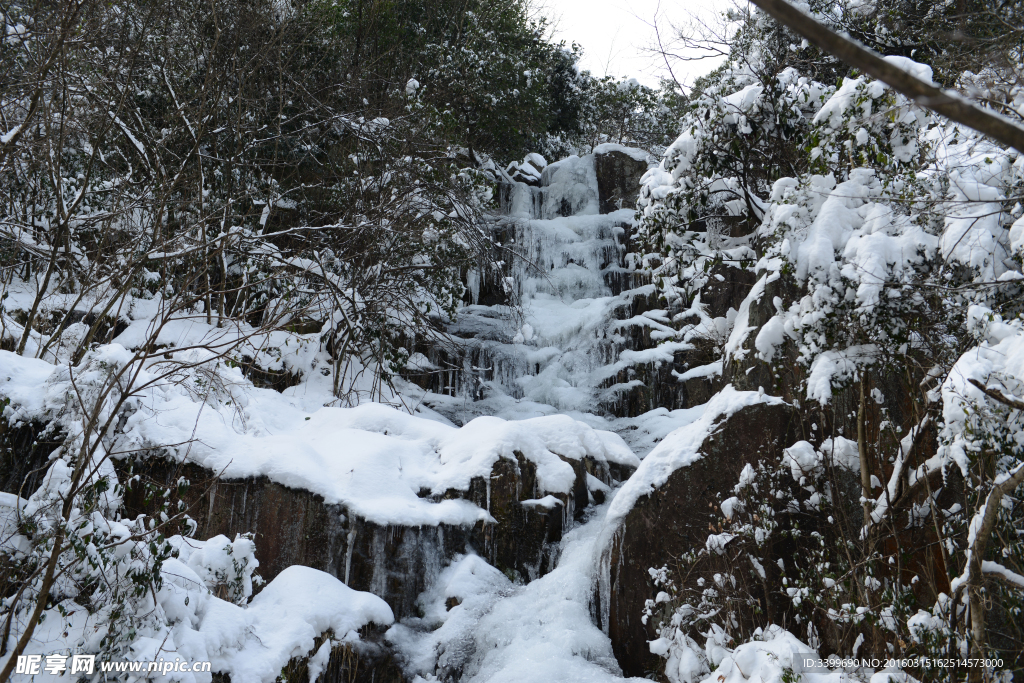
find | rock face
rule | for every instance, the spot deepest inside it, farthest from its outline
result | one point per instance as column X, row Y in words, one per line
column 778, row 378
column 726, row 288
column 24, row 453
column 394, row 562
column 674, row 519
column 661, row 384
column 618, row 178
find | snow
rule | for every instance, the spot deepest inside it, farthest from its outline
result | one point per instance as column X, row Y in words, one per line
column 830, row 368
column 543, row 631
column 282, row 621
column 631, row 152
column 833, row 226
column 771, row 336
column 741, row 326
column 1017, row 235
column 477, row 622
column 918, row 70
column 710, row 370
column 536, row 160
column 997, row 363
column 973, row 234
column 9, row 135
column 551, row 365
column 444, row 637
column 250, row 642
column 845, row 98
column 20, row 381
column 220, row 558
column 772, row 655
column 741, row 102
column 1013, row 577
column 373, row 459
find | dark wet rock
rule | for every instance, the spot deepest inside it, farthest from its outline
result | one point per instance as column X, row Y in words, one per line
column 486, row 284
column 395, row 562
column 368, row 660
column 640, row 388
column 675, row 519
column 621, row 279
column 783, row 375
column 24, row 455
column 726, row 287
column 618, row 180
column 278, row 380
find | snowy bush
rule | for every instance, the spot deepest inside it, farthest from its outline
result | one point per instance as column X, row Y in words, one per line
column 886, row 253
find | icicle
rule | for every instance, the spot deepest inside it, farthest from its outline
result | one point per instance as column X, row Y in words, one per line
column 350, row 548
column 473, row 283
column 378, row 578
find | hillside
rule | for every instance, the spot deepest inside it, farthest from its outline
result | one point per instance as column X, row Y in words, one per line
column 347, row 342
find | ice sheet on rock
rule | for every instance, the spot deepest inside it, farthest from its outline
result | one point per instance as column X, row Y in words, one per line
column 570, row 312
column 443, row 639
column 567, row 187
column 479, row 625
column 543, row 631
column 573, row 333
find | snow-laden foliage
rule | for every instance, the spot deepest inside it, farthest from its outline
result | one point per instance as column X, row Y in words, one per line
column 887, row 257
column 715, row 179
column 184, row 171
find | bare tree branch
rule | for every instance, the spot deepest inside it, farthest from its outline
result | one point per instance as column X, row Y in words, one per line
column 998, row 396
column 948, row 104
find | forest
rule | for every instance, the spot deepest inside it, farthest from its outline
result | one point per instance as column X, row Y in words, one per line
column 379, row 341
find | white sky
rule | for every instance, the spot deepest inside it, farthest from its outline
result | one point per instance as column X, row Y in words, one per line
column 614, row 33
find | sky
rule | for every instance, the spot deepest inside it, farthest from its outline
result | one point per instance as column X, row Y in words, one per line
column 615, row 33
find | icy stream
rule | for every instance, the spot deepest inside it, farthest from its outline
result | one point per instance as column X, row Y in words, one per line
column 561, row 352
column 500, row 632
column 568, row 345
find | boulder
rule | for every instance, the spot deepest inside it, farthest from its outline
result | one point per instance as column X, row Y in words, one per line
column 674, row 519
column 619, row 170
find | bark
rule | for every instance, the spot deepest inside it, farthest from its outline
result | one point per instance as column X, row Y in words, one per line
column 975, row 576
column 862, row 452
